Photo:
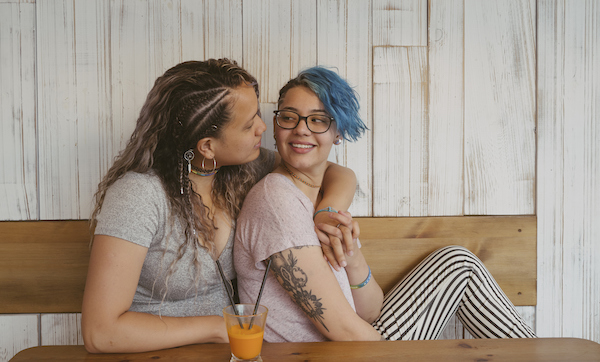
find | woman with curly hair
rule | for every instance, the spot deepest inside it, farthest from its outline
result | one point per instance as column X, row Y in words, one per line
column 165, row 212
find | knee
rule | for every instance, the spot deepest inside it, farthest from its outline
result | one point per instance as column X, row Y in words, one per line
column 458, row 251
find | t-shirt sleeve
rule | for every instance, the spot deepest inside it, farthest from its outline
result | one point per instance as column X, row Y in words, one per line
column 132, row 208
column 281, row 219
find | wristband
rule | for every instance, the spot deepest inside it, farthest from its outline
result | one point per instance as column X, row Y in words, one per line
column 328, row 209
column 363, row 283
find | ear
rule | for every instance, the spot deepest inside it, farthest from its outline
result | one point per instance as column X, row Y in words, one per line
column 206, row 147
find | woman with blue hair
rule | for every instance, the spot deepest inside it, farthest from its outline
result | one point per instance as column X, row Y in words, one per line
column 308, row 300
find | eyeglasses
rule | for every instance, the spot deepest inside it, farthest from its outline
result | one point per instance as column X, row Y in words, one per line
column 316, row 123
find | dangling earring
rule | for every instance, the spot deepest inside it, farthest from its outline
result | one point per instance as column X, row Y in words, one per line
column 337, row 142
column 188, row 156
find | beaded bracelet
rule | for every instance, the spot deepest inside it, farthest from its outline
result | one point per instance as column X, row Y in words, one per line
column 363, row 283
column 328, row 209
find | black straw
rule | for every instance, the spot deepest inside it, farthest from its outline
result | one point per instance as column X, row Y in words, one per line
column 228, row 292
column 262, row 286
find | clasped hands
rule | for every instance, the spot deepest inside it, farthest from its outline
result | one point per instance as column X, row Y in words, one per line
column 338, row 234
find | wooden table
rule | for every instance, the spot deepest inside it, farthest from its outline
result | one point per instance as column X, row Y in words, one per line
column 540, row 349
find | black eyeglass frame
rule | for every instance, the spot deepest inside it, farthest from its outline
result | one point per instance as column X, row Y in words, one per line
column 300, row 118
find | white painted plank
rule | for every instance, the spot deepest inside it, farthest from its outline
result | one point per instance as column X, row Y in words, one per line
column 551, row 78
column 400, row 126
column 61, row 329
column 303, row 38
column 446, row 113
column 192, row 30
column 266, row 39
column 399, row 22
column 94, row 139
column 131, row 75
column 18, row 156
column 499, row 107
column 17, row 332
column 223, row 36
column 568, row 169
column 56, row 111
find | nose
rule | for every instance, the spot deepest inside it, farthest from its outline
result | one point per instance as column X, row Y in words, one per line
column 262, row 127
column 302, row 127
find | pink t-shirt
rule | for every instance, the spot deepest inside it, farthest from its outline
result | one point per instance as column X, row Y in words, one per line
column 277, row 216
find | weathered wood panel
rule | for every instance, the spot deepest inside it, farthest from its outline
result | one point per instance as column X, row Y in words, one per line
column 222, row 33
column 267, row 44
column 400, row 22
column 18, row 159
column 17, row 332
column 499, row 55
column 57, row 110
column 446, row 108
column 60, row 329
column 568, row 200
column 400, row 127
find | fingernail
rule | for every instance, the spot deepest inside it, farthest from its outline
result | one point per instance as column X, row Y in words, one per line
column 344, row 264
column 350, row 253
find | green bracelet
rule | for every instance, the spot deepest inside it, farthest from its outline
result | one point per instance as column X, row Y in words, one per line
column 328, row 209
column 363, row 283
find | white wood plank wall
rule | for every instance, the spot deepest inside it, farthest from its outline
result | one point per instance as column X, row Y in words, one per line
column 473, row 108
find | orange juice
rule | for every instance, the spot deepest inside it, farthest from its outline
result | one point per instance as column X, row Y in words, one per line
column 244, row 343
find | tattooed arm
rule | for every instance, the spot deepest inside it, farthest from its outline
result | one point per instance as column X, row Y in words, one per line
column 309, row 281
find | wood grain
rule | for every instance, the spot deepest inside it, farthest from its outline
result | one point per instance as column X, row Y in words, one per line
column 43, row 266
column 18, row 180
column 400, row 123
column 506, row 245
column 568, row 201
column 514, row 350
column 499, row 124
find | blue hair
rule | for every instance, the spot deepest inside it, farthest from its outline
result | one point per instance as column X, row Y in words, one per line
column 339, row 99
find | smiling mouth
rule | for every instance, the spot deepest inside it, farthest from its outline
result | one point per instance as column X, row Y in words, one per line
column 301, row 145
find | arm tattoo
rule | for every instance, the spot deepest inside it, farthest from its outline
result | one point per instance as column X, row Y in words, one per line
column 293, row 280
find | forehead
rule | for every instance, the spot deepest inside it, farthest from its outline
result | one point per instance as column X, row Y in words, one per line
column 302, row 98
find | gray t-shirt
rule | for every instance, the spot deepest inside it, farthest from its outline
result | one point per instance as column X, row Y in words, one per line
column 136, row 209
column 277, row 216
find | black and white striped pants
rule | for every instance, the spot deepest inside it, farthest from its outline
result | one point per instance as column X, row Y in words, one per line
column 450, row 280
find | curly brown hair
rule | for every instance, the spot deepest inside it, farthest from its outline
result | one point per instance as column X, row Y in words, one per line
column 187, row 103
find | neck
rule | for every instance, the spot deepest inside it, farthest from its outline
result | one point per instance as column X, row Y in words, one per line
column 310, row 186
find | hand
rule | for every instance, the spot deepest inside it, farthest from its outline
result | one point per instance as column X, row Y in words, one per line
column 338, row 234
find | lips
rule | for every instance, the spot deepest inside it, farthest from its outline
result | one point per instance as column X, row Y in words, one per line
column 301, row 147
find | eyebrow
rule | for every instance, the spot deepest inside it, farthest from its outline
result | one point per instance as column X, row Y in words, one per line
column 311, row 111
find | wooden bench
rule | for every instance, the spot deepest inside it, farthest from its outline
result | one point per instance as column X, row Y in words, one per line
column 43, row 264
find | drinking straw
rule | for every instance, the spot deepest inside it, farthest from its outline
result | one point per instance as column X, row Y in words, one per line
column 262, row 286
column 229, row 293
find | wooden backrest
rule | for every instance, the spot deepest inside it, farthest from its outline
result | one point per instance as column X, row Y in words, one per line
column 507, row 245
column 43, row 264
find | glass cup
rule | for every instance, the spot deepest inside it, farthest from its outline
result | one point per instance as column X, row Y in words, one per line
column 245, row 331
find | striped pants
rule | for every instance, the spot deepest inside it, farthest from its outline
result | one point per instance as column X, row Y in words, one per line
column 450, row 280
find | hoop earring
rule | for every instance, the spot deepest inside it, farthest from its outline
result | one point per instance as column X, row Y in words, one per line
column 202, row 171
column 214, row 165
